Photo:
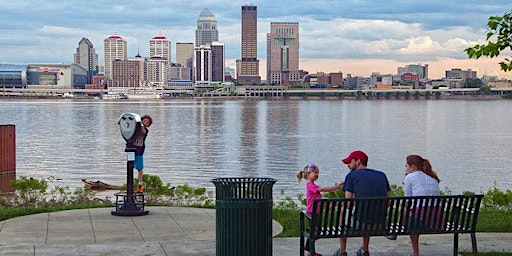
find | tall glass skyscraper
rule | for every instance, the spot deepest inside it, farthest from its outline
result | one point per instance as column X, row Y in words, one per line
column 87, row 58
column 248, row 65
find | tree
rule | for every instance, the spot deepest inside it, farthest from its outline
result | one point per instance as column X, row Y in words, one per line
column 500, row 29
column 473, row 83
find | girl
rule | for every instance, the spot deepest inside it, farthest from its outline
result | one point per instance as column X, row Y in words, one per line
column 313, row 191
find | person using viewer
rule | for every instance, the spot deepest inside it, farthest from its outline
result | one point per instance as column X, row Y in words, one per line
column 420, row 180
column 140, row 146
column 313, row 191
column 362, row 182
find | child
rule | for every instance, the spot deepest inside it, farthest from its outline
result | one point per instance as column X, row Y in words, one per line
column 310, row 173
column 140, row 146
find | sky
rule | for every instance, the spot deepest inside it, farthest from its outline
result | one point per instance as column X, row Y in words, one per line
column 354, row 37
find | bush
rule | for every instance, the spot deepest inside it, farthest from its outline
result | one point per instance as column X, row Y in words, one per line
column 498, row 199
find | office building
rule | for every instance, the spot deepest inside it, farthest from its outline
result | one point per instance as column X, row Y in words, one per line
column 115, row 48
column 14, row 76
column 283, row 53
column 87, row 58
column 421, row 71
column 185, row 57
column 203, row 57
column 127, row 73
column 155, row 72
column 206, row 31
column 248, row 65
column 160, row 48
column 218, row 62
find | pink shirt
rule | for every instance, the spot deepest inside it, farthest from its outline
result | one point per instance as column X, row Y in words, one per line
column 312, row 193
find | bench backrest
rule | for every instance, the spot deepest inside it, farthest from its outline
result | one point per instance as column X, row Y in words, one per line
column 379, row 216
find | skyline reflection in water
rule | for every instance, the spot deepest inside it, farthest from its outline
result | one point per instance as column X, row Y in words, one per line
column 194, row 141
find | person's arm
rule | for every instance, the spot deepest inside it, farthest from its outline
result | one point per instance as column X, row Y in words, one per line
column 330, row 188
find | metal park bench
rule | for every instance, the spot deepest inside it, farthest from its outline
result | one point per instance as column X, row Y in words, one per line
column 391, row 216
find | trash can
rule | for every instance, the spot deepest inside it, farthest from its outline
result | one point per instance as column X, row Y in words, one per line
column 243, row 216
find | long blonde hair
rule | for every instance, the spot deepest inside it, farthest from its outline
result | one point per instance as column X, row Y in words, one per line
column 306, row 171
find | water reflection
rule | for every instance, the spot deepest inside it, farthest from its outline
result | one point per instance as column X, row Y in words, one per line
column 191, row 142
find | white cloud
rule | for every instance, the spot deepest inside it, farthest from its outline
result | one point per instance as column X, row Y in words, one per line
column 382, row 33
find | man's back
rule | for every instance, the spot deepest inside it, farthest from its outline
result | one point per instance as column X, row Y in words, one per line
column 366, row 183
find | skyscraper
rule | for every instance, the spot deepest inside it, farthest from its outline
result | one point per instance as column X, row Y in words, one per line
column 283, row 53
column 185, row 56
column 160, row 47
column 217, row 62
column 86, row 57
column 206, row 31
column 115, row 48
column 248, row 65
column 203, row 65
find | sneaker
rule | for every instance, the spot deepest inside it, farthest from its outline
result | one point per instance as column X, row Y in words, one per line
column 316, row 254
column 140, row 188
column 361, row 252
column 339, row 253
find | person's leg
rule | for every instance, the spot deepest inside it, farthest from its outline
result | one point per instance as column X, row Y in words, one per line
column 343, row 244
column 139, row 166
column 366, row 243
column 415, row 244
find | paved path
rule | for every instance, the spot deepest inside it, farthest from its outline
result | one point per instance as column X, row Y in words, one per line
column 182, row 231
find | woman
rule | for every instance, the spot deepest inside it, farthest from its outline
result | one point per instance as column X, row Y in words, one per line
column 420, row 180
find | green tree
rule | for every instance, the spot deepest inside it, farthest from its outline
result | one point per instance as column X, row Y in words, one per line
column 500, row 30
column 473, row 83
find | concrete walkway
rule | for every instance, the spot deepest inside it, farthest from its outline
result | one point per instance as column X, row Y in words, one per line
column 183, row 231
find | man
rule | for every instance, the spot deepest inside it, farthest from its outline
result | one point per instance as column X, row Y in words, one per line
column 362, row 182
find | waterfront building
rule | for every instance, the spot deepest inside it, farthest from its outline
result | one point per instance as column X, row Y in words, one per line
column 57, row 75
column 355, row 82
column 283, row 53
column 456, row 77
column 177, row 72
column 203, row 58
column 160, row 48
column 98, row 82
column 412, row 79
column 323, row 80
column 155, row 71
column 115, row 48
column 206, row 31
column 185, row 57
column 248, row 65
column 87, row 58
column 218, row 61
column 421, row 71
column 127, row 73
column 13, row 76
column 459, row 73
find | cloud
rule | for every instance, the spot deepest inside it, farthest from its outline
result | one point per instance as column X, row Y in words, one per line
column 334, row 31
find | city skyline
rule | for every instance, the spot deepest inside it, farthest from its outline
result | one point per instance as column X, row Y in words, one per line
column 354, row 37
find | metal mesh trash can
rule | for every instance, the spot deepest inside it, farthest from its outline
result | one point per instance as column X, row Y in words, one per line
column 243, row 216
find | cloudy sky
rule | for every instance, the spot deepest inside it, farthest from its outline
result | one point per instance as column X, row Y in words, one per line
column 355, row 37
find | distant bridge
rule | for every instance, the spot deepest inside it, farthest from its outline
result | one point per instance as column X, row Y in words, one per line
column 269, row 92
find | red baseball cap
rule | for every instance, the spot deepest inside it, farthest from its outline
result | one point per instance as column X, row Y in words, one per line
column 355, row 155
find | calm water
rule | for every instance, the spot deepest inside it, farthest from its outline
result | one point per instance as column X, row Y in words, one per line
column 190, row 142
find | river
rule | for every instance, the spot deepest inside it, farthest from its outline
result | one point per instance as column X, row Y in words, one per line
column 469, row 142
